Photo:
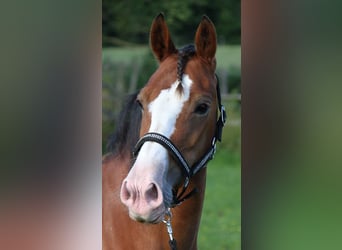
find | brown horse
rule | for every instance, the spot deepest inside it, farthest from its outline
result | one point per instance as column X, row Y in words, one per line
column 171, row 126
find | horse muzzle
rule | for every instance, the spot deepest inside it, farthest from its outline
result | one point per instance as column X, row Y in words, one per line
column 144, row 200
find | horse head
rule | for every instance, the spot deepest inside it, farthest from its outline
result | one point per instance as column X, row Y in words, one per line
column 178, row 104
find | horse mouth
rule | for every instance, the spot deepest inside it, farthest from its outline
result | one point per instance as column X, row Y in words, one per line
column 154, row 218
column 142, row 220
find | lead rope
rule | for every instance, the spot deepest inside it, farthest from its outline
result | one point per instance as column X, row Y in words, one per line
column 167, row 221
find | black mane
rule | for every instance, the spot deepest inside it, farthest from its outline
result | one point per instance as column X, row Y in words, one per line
column 184, row 54
column 127, row 129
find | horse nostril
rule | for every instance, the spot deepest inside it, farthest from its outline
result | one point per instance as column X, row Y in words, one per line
column 125, row 192
column 151, row 193
column 140, row 198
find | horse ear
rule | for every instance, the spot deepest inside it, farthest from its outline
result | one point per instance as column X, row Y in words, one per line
column 205, row 39
column 160, row 39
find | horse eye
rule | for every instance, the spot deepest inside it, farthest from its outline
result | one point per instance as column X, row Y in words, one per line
column 202, row 109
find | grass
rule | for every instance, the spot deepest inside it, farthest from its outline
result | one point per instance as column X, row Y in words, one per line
column 228, row 56
column 124, row 54
column 220, row 225
column 221, row 217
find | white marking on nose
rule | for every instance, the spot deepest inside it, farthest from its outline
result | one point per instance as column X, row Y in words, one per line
column 164, row 109
column 152, row 161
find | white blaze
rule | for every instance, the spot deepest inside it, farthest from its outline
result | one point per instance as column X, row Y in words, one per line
column 164, row 109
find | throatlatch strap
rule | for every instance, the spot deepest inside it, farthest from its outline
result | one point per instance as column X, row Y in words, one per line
column 223, row 116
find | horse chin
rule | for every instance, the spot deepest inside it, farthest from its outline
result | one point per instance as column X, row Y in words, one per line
column 155, row 217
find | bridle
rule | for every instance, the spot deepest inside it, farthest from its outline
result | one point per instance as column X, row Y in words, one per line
column 188, row 171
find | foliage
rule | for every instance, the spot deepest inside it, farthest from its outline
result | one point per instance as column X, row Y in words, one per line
column 122, row 74
column 128, row 21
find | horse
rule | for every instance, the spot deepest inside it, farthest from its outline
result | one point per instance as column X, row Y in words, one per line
column 155, row 172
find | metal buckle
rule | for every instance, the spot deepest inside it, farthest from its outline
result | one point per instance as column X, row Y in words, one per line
column 214, row 152
column 213, row 142
column 186, row 182
column 167, row 221
column 223, row 114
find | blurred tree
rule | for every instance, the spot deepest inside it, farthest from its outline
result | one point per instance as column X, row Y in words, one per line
column 128, row 21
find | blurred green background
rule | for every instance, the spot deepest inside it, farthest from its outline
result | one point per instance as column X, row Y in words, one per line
column 127, row 64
